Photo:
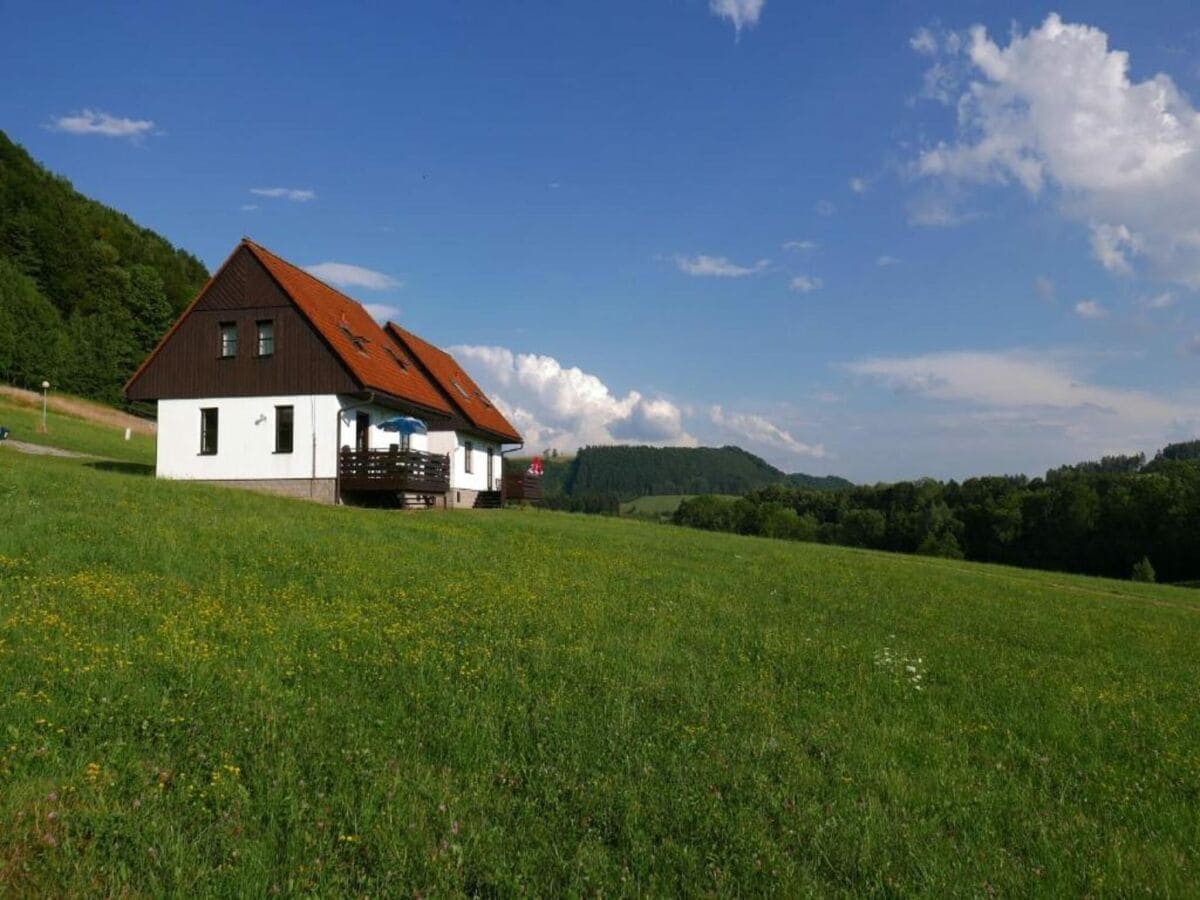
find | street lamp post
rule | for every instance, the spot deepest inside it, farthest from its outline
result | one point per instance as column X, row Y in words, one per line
column 45, row 389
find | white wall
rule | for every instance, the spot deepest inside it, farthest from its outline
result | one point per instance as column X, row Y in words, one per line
column 377, row 439
column 454, row 442
column 246, row 437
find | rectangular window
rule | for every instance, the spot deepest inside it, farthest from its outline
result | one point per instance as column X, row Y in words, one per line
column 208, row 432
column 228, row 340
column 266, row 337
column 284, row 419
column 470, row 450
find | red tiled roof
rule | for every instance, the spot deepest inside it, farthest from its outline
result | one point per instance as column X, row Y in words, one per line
column 363, row 347
column 456, row 384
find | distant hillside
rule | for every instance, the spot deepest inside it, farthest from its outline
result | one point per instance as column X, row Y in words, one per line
column 630, row 472
column 85, row 292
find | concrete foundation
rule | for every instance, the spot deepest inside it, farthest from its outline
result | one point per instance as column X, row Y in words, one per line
column 320, row 490
column 462, row 498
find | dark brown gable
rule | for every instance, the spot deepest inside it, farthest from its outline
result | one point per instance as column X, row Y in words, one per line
column 188, row 363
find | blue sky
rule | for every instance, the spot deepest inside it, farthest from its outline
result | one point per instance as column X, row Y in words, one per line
column 880, row 240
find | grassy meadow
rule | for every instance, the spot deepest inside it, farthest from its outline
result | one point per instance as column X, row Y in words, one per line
column 657, row 506
column 73, row 433
column 215, row 692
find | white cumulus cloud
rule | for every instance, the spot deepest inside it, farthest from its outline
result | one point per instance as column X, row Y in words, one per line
column 742, row 13
column 298, row 195
column 704, row 266
column 562, row 406
column 93, row 121
column 759, row 430
column 347, row 276
column 1056, row 112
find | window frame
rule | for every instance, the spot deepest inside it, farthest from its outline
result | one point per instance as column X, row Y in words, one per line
column 291, row 429
column 207, row 431
column 258, row 338
column 225, row 345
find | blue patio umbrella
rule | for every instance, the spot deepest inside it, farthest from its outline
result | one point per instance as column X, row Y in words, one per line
column 404, row 425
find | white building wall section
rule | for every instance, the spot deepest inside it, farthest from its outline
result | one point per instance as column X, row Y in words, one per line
column 454, row 443
column 246, row 437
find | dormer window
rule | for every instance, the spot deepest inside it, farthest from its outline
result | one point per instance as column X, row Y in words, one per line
column 266, row 337
column 359, row 342
column 400, row 360
column 229, row 340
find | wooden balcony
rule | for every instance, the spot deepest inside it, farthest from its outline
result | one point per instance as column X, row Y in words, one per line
column 522, row 486
column 394, row 470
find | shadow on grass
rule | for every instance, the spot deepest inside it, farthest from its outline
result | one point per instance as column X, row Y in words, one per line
column 122, row 468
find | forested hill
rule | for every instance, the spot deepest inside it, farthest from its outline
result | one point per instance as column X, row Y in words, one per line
column 85, row 292
column 629, row 472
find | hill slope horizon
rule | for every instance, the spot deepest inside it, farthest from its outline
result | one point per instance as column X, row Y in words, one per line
column 85, row 292
column 631, row 471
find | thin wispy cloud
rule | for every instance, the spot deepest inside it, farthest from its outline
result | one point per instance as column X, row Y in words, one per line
column 249, row 207
column 824, row 208
column 801, row 246
column 1090, row 309
column 742, row 13
column 859, row 185
column 346, row 275
column 805, row 284
column 1162, row 300
column 98, row 122
column 886, row 260
column 1012, row 379
column 298, row 195
column 382, row 312
column 704, row 266
column 1044, row 285
column 759, row 430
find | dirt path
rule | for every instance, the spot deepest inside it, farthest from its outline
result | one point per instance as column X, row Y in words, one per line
column 81, row 409
column 42, row 450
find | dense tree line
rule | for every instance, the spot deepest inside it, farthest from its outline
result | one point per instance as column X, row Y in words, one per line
column 602, row 504
column 630, row 472
column 1099, row 518
column 85, row 293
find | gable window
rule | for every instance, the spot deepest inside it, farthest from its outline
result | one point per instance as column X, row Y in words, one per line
column 228, row 340
column 470, row 451
column 266, row 337
column 208, row 431
column 284, row 428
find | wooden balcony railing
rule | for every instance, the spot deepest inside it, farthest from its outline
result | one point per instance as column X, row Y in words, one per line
column 522, row 486
column 394, row 470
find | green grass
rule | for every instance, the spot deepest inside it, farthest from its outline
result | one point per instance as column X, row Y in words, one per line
column 78, row 435
column 658, row 506
column 212, row 692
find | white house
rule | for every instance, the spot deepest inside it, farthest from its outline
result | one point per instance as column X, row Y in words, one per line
column 272, row 379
